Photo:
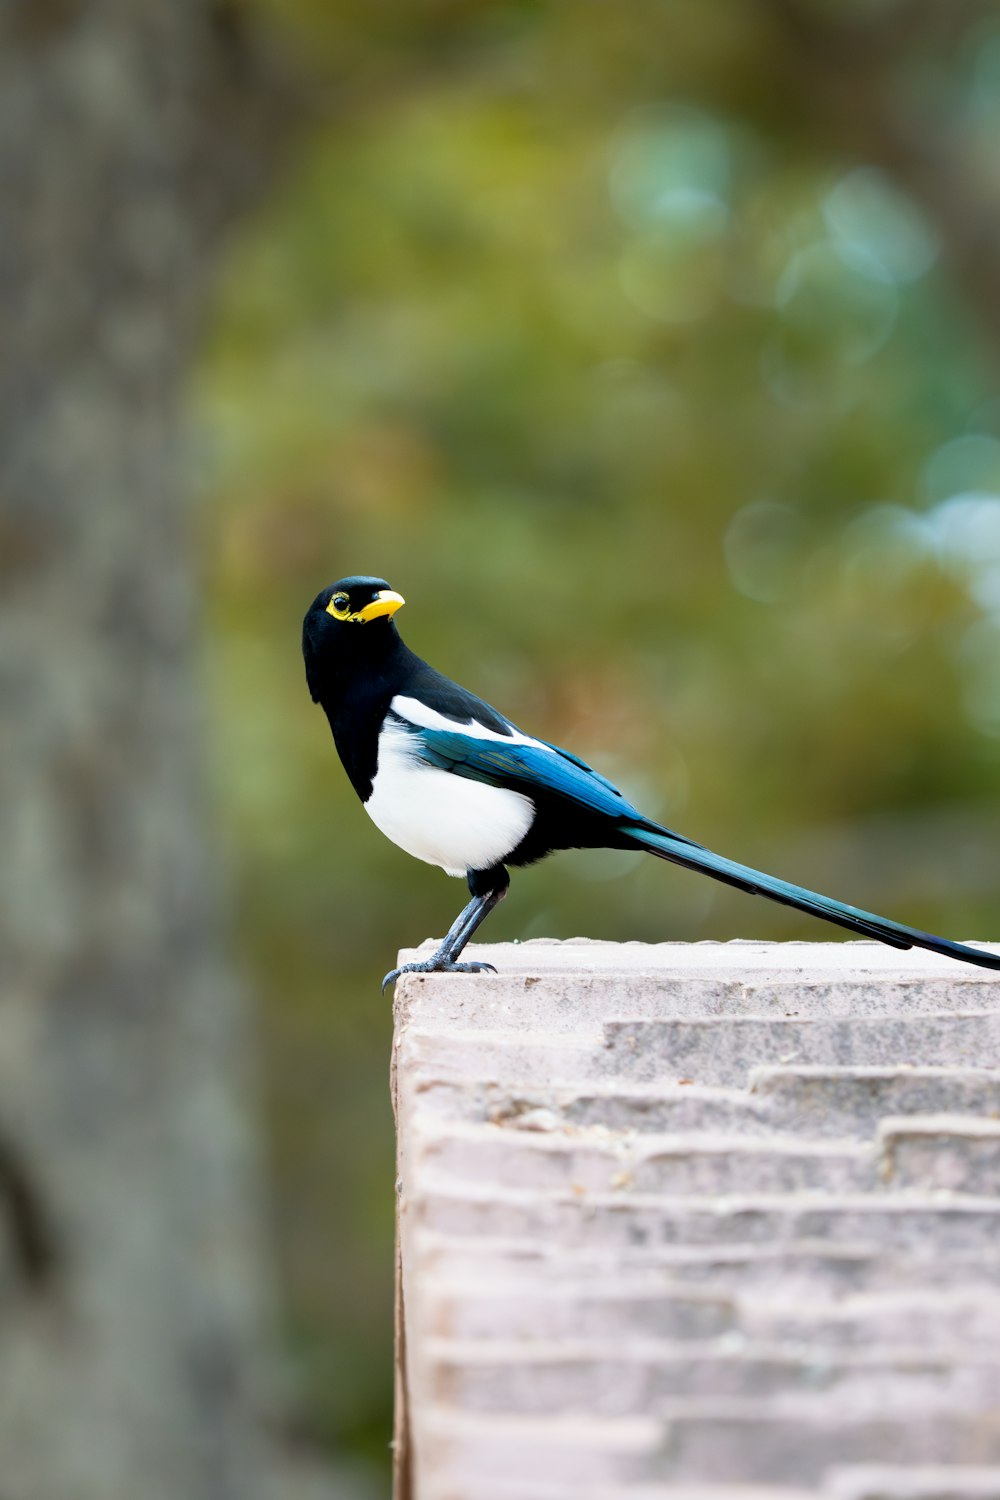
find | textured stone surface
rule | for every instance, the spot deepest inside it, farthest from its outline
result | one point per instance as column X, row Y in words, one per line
column 941, row 1151
column 706, row 1222
column 896, row 1482
column 498, row 1490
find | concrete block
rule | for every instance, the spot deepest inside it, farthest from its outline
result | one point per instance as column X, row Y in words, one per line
column 809, row 1268
column 715, row 1051
column 798, row 1440
column 616, row 1223
column 923, row 1482
column 498, row 1489
column 941, row 1152
column 632, row 1306
column 697, row 1223
column 662, row 1108
column 844, row 1103
column 792, row 1443
column 721, row 1051
column 580, row 967
column 522, row 1306
column 848, row 1102
column 635, row 1376
column 963, row 1319
column 460, row 1449
column 602, row 1160
column 470, row 1002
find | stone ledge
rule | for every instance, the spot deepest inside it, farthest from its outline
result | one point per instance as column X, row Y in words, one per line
column 698, row 1222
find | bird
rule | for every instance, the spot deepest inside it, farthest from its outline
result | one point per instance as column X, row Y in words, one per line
column 455, row 783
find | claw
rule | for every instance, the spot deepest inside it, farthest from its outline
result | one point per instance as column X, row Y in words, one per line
column 436, row 966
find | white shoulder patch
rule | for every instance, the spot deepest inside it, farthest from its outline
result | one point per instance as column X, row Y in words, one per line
column 428, row 718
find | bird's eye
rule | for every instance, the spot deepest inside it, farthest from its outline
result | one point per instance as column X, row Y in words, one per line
column 341, row 601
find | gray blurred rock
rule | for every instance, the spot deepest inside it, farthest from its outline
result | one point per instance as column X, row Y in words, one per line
column 135, row 1301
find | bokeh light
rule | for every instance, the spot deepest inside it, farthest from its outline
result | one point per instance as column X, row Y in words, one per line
column 877, row 230
column 641, row 372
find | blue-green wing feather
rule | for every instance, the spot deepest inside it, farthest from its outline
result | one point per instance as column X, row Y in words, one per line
column 542, row 768
column 527, row 768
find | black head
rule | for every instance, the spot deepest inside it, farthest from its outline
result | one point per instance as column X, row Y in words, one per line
column 349, row 622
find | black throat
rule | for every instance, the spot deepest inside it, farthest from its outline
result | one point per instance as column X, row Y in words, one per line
column 355, row 686
column 355, row 678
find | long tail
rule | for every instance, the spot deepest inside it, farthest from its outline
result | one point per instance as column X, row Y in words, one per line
column 679, row 851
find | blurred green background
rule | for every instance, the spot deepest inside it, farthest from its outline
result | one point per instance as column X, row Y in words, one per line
column 650, row 351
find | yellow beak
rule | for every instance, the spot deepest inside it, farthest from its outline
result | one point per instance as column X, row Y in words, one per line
column 384, row 603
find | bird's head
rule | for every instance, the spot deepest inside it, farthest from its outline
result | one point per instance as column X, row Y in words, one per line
column 350, row 620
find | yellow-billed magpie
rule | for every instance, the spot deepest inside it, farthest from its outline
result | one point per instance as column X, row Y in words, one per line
column 456, row 784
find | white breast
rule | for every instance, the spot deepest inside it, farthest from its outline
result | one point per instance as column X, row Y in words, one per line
column 439, row 817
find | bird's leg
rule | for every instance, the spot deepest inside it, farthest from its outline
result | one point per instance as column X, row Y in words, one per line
column 443, row 960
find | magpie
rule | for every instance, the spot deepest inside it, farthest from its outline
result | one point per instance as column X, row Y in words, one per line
column 456, row 784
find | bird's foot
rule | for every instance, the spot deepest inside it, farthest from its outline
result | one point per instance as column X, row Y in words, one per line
column 436, row 965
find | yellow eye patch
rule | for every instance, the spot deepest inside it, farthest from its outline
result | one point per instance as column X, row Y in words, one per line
column 385, row 603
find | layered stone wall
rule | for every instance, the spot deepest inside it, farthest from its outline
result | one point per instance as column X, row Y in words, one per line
column 699, row 1222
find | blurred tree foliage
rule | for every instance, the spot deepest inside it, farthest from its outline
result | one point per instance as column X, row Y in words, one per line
column 650, row 351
